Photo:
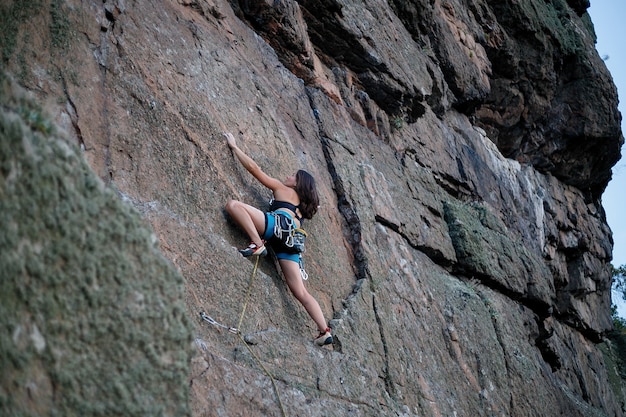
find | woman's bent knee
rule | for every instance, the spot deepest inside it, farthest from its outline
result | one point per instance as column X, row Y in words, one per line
column 232, row 204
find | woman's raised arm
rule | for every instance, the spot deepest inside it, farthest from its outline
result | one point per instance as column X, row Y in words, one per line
column 251, row 166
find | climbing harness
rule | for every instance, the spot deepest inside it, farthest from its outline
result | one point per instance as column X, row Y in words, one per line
column 290, row 236
column 289, row 239
column 237, row 331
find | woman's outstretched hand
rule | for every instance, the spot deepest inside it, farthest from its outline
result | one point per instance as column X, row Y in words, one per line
column 251, row 166
column 230, row 139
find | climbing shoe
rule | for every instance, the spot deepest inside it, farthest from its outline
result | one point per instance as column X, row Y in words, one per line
column 253, row 250
column 324, row 338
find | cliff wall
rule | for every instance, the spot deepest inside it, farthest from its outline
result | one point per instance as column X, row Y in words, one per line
column 460, row 149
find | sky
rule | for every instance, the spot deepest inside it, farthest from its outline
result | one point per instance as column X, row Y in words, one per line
column 609, row 20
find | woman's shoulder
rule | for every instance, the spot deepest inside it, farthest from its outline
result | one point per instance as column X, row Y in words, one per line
column 287, row 194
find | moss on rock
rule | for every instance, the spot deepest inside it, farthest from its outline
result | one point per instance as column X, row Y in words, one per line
column 487, row 250
column 91, row 315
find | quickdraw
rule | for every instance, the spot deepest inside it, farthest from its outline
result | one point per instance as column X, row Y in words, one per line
column 212, row 321
column 237, row 331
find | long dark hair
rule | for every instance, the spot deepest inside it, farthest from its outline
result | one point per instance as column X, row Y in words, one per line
column 309, row 200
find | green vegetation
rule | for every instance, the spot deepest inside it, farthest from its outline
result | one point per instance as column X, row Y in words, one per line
column 10, row 18
column 31, row 112
column 619, row 284
column 397, row 122
column 618, row 335
column 60, row 29
column 619, row 279
column 13, row 16
column 36, row 120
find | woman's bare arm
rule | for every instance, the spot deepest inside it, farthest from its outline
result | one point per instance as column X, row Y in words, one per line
column 251, row 166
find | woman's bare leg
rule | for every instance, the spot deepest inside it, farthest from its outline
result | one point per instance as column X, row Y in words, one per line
column 250, row 219
column 291, row 271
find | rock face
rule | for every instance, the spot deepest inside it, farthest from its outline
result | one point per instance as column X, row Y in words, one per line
column 91, row 313
column 460, row 249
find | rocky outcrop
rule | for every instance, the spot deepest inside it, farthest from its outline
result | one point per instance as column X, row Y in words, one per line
column 460, row 150
column 91, row 313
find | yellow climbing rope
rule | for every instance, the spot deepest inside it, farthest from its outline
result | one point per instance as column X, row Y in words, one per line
column 237, row 331
column 248, row 292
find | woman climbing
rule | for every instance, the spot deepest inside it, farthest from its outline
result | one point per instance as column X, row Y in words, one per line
column 294, row 199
